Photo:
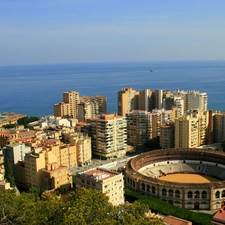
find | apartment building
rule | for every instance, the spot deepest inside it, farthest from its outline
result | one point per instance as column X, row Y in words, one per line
column 34, row 163
column 166, row 136
column 83, row 143
column 56, row 177
column 108, row 182
column 219, row 127
column 84, row 111
column 15, row 153
column 69, row 106
column 192, row 99
column 127, row 101
column 98, row 103
column 139, row 127
column 191, row 130
column 108, row 135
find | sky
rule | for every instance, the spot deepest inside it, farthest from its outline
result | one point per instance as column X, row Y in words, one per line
column 80, row 31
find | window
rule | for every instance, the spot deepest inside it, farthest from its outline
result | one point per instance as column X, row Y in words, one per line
column 164, row 192
column 217, row 194
column 171, row 193
column 148, row 188
column 153, row 190
column 177, row 194
column 190, row 194
column 143, row 187
column 223, row 193
column 204, row 194
column 197, row 194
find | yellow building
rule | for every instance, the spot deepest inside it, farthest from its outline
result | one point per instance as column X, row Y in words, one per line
column 219, row 127
column 191, row 130
column 127, row 101
column 56, row 177
column 69, row 106
column 108, row 182
column 34, row 163
column 83, row 143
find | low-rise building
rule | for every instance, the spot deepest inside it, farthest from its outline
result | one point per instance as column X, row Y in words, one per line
column 108, row 182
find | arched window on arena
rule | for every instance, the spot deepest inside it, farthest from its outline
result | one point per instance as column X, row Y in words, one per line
column 171, row 193
column 190, row 194
column 143, row 187
column 223, row 193
column 217, row 195
column 153, row 189
column 197, row 194
column 128, row 180
column 204, row 194
column 148, row 188
column 177, row 194
column 133, row 183
column 164, row 192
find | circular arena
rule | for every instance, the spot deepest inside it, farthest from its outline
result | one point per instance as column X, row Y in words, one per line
column 188, row 178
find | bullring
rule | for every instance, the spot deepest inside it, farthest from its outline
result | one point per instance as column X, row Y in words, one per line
column 143, row 175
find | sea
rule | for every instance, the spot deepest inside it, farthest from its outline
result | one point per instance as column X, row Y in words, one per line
column 34, row 89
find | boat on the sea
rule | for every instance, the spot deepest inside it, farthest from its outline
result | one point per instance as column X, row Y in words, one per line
column 151, row 70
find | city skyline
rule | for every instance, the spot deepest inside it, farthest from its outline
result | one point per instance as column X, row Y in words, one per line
column 42, row 32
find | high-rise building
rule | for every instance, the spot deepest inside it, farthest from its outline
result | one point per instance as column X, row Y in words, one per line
column 193, row 99
column 191, row 130
column 167, row 136
column 146, row 100
column 108, row 135
column 72, row 98
column 84, row 111
column 108, row 182
column 219, row 127
column 139, row 127
column 127, row 101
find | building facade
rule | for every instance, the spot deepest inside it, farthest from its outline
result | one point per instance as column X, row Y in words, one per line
column 108, row 182
column 108, row 135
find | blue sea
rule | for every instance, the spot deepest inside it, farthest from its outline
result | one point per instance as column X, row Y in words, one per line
column 34, row 89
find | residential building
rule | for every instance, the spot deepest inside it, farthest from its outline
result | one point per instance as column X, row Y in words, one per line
column 108, row 135
column 219, row 127
column 34, row 163
column 167, row 136
column 15, row 153
column 127, row 101
column 69, row 106
column 139, row 127
column 191, row 130
column 108, row 182
column 83, row 143
column 56, row 177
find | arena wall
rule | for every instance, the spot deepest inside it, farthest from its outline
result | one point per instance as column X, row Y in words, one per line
column 142, row 173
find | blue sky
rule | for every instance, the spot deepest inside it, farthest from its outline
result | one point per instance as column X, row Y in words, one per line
column 75, row 31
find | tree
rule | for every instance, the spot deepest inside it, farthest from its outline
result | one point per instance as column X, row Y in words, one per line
column 8, row 173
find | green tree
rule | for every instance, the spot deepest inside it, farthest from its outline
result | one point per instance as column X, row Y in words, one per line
column 8, row 173
column 26, row 120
